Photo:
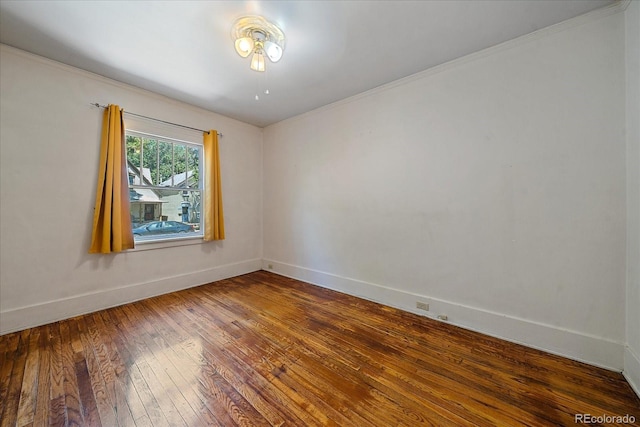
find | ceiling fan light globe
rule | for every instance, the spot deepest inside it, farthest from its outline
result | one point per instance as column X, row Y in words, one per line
column 274, row 52
column 244, row 46
column 257, row 62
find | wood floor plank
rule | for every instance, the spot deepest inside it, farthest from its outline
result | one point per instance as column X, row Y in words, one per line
column 5, row 373
column 57, row 407
column 266, row 350
column 28, row 391
column 70, row 381
column 9, row 342
column 104, row 405
column 9, row 415
column 41, row 412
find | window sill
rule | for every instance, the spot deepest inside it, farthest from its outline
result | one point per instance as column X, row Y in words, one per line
column 166, row 243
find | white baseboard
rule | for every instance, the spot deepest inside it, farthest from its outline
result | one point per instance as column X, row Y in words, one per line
column 578, row 346
column 51, row 311
column 632, row 369
column 574, row 345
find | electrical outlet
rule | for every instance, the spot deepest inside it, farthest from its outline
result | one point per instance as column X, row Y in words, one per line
column 422, row 306
column 443, row 317
column 270, row 266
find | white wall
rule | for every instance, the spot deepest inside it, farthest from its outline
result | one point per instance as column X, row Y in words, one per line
column 632, row 354
column 492, row 187
column 49, row 155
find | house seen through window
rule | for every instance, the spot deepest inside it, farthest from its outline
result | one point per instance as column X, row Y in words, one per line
column 165, row 187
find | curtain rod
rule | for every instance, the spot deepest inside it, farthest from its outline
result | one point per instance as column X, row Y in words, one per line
column 95, row 104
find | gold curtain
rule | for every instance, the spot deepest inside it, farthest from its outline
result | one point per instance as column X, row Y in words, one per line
column 111, row 215
column 213, row 214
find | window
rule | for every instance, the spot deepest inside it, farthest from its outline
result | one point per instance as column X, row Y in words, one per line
column 165, row 187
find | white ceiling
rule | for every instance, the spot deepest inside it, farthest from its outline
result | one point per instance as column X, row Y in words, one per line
column 335, row 49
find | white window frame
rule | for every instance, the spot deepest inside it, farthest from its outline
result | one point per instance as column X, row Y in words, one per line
column 177, row 240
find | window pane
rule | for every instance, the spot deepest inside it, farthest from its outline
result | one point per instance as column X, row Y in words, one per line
column 133, row 150
column 177, row 214
column 193, row 155
column 133, row 159
column 180, row 159
column 150, row 161
column 166, row 164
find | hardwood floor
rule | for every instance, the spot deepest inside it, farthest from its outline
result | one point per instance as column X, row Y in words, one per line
column 262, row 350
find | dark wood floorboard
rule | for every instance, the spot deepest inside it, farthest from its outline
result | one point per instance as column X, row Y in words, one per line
column 265, row 350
